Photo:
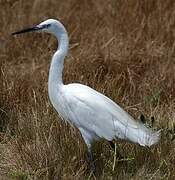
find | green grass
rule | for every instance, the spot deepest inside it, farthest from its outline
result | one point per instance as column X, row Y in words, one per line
column 17, row 175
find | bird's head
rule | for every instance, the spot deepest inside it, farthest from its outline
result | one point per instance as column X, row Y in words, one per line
column 51, row 26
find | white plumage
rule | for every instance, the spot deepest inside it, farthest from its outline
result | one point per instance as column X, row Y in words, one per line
column 95, row 115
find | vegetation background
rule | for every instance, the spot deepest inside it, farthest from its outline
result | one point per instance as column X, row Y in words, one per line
column 122, row 48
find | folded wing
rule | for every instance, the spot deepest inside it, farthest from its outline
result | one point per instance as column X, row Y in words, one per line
column 100, row 116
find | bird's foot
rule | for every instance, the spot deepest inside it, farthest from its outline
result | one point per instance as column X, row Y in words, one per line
column 91, row 161
column 92, row 167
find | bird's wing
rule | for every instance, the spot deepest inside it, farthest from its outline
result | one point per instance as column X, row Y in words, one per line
column 96, row 112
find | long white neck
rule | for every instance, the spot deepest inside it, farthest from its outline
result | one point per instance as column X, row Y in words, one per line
column 57, row 63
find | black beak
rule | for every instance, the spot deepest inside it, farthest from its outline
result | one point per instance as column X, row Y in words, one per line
column 35, row 28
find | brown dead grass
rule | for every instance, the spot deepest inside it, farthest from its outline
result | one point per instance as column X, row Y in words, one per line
column 124, row 49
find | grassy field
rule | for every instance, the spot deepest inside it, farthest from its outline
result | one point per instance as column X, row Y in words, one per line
column 122, row 48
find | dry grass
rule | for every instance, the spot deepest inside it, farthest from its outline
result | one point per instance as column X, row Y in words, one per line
column 125, row 49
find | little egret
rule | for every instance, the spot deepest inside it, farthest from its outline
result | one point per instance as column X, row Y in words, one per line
column 95, row 115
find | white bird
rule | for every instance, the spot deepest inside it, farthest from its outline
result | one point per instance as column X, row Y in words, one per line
column 95, row 115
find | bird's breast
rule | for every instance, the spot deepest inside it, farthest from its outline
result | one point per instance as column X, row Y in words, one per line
column 58, row 100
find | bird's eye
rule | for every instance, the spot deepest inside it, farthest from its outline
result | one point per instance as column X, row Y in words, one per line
column 48, row 25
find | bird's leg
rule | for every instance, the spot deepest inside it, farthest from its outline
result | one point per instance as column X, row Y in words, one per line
column 112, row 145
column 117, row 151
column 91, row 160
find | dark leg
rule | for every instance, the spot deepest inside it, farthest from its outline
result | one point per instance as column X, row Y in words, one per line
column 117, row 151
column 112, row 145
column 91, row 160
column 90, row 157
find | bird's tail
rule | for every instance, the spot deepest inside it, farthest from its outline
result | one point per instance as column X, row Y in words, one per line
column 142, row 135
column 145, row 136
